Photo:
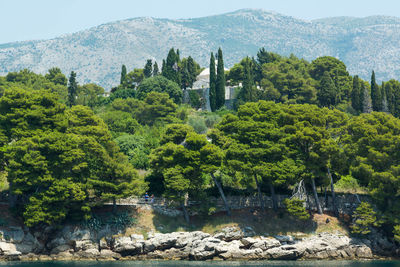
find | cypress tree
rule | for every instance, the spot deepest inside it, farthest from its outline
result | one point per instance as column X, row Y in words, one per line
column 327, row 92
column 366, row 99
column 155, row 69
column 376, row 96
column 389, row 97
column 191, row 68
column 385, row 105
column 123, row 75
column 163, row 68
column 148, row 69
column 72, row 89
column 171, row 68
column 220, row 82
column 212, row 93
column 247, row 93
column 356, row 95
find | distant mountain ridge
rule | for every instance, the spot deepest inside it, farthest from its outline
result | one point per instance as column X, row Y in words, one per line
column 97, row 54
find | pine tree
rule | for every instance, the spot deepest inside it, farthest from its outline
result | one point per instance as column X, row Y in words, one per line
column 123, row 75
column 72, row 89
column 356, row 95
column 148, row 69
column 220, row 82
column 327, row 92
column 366, row 99
column 155, row 69
column 213, row 78
column 376, row 96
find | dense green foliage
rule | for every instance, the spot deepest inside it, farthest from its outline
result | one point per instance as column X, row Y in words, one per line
column 67, row 147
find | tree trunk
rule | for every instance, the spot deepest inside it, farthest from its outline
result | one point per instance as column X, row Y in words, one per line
column 221, row 192
column 273, row 196
column 319, row 209
column 185, row 213
column 259, row 193
column 326, row 198
column 334, row 207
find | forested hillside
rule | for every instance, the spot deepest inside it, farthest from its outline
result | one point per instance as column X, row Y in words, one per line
column 66, row 148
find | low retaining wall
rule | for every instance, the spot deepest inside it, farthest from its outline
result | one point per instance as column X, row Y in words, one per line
column 346, row 203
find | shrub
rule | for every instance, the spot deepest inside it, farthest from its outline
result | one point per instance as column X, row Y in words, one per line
column 295, row 207
column 364, row 218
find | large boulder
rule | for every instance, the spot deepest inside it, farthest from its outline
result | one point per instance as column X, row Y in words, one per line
column 230, row 233
column 126, row 246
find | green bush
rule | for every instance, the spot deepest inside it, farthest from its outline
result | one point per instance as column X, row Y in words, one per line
column 198, row 123
column 347, row 183
column 195, row 99
column 364, row 218
column 295, row 207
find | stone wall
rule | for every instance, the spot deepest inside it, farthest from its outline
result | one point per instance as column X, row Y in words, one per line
column 346, row 203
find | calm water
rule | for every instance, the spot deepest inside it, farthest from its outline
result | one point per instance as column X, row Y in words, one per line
column 206, row 264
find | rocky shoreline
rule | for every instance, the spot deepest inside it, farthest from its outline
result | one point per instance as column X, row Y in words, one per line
column 232, row 243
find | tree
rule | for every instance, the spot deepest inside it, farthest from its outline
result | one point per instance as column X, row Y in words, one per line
column 155, row 69
column 123, row 75
column 248, row 91
column 376, row 96
column 171, row 67
column 327, row 92
column 56, row 76
column 58, row 157
column 213, row 93
column 148, row 69
column 356, row 96
column 134, row 78
column 72, row 89
column 162, row 85
column 364, row 218
column 366, row 99
column 89, row 94
column 220, row 82
column 295, row 207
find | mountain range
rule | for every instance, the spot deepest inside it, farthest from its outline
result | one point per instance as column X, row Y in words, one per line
column 96, row 54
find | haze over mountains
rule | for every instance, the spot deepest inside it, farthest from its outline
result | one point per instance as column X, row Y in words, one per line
column 97, row 54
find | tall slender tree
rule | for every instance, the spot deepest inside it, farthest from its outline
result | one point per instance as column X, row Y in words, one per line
column 376, row 95
column 248, row 92
column 366, row 99
column 213, row 97
column 171, row 68
column 72, row 89
column 220, row 81
column 356, row 95
column 155, row 69
column 148, row 69
column 123, row 75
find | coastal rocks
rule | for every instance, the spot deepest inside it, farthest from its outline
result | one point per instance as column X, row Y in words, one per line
column 231, row 243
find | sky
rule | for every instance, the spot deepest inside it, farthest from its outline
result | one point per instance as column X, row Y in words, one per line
column 22, row 20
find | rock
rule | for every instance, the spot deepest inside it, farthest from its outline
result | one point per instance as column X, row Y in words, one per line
column 364, row 252
column 14, row 235
column 169, row 254
column 61, row 248
column 56, row 242
column 89, row 253
column 285, row 239
column 85, row 245
column 127, row 247
column 161, row 242
column 284, row 252
column 103, row 244
column 230, row 233
column 265, row 243
column 248, row 231
column 109, row 254
column 7, row 248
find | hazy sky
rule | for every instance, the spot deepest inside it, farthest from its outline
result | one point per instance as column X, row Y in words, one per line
column 42, row 19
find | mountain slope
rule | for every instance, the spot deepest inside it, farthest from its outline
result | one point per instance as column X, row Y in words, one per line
column 97, row 54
